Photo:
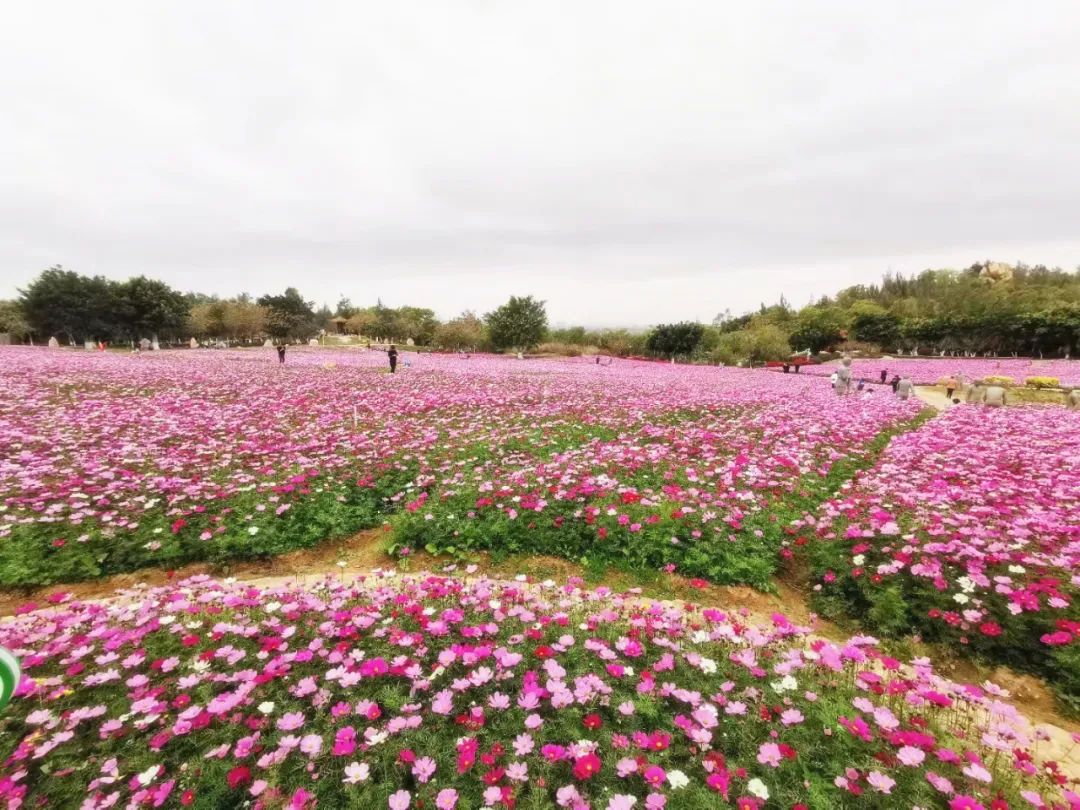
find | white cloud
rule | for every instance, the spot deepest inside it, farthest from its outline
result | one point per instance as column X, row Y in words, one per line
column 629, row 162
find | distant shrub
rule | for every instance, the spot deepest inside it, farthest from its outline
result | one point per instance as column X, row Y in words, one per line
column 566, row 349
column 1043, row 382
column 998, row 379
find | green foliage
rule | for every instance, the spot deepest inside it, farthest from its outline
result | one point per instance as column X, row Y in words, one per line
column 872, row 323
column 818, row 328
column 289, row 315
column 13, row 321
column 671, row 339
column 520, row 323
column 146, row 307
column 63, row 303
column 466, row 331
column 237, row 318
column 755, row 344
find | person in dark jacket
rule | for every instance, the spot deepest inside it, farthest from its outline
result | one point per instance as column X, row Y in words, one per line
column 895, row 382
column 281, row 353
column 884, row 376
column 392, row 354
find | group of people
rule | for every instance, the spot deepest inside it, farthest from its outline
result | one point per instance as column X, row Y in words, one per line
column 974, row 392
column 391, row 355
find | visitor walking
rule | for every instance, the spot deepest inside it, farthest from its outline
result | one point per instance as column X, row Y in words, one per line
column 884, row 375
column 392, row 355
column 950, row 386
column 281, row 354
column 1072, row 400
column 895, row 382
column 904, row 388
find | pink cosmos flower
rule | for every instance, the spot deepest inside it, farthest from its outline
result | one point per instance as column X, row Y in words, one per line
column 769, row 754
column 880, row 782
column 290, row 721
column 910, row 756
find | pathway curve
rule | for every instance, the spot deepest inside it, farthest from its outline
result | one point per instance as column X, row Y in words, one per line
column 932, row 397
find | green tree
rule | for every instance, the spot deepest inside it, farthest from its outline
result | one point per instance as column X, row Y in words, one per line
column 289, row 315
column 466, row 331
column 13, row 321
column 520, row 323
column 872, row 323
column 362, row 322
column 61, row 302
column 147, row 308
column 418, row 323
column 671, row 339
column 755, row 344
column 345, row 308
column 817, row 328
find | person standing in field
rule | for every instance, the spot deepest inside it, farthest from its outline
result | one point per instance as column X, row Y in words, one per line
column 950, row 386
column 1072, row 399
column 392, row 356
column 281, row 354
column 994, row 396
column 975, row 393
column 895, row 382
column 884, row 375
column 904, row 388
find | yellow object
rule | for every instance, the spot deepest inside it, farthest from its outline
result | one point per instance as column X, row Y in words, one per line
column 1043, row 382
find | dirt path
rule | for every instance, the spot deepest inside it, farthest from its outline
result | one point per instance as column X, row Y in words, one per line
column 932, row 397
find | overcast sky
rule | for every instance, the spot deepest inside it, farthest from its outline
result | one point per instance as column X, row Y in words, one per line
column 629, row 162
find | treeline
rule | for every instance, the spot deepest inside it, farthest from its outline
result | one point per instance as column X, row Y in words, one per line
column 987, row 308
column 75, row 308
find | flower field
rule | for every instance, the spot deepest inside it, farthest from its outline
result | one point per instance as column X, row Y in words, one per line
column 436, row 692
column 969, row 529
column 110, row 462
column 927, row 371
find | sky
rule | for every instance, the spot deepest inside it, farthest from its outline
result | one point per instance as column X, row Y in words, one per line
column 628, row 162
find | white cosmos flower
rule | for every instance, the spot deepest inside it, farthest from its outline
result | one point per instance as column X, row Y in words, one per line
column 757, row 788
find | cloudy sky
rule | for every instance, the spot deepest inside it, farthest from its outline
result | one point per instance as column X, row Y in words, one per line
column 630, row 162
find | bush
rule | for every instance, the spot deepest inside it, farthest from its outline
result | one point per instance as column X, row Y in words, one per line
column 998, row 379
column 567, row 349
column 1043, row 382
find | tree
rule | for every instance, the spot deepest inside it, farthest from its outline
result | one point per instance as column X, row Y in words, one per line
column 362, row 322
column 466, row 331
column 520, row 323
column 574, row 335
column 289, row 315
column 817, row 328
column 872, row 323
column 418, row 323
column 13, row 321
column 344, row 308
column 670, row 339
column 755, row 344
column 61, row 302
column 147, row 308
